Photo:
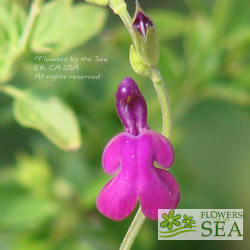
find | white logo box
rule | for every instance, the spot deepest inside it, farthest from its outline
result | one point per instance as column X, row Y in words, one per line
column 200, row 224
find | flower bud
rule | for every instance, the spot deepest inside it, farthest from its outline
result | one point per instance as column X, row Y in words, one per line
column 137, row 63
column 131, row 107
column 98, row 2
column 145, row 37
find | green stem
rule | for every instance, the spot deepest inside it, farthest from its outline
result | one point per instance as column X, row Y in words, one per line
column 164, row 101
column 30, row 25
column 133, row 230
column 11, row 91
column 23, row 43
column 120, row 8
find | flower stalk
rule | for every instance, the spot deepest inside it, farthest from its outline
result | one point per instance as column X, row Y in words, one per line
column 164, row 101
column 133, row 230
column 119, row 8
column 30, row 25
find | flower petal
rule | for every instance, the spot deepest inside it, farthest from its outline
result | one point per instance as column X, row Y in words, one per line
column 164, row 224
column 163, row 150
column 118, row 197
column 171, row 214
column 170, row 225
column 111, row 154
column 177, row 217
column 177, row 223
column 165, row 217
column 158, row 190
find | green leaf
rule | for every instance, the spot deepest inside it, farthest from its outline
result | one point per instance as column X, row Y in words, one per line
column 238, row 39
column 168, row 24
column 203, row 54
column 12, row 20
column 33, row 173
column 231, row 14
column 198, row 37
column 221, row 15
column 8, row 25
column 21, row 209
column 62, row 27
column 85, row 21
column 46, row 113
column 197, row 6
column 230, row 92
column 19, row 14
column 50, row 28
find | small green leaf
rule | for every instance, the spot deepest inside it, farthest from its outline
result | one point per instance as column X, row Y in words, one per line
column 137, row 63
column 46, row 113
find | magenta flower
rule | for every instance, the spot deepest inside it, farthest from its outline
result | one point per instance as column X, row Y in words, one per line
column 130, row 157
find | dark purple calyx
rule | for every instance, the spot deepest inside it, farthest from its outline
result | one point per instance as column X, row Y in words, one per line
column 141, row 21
column 131, row 107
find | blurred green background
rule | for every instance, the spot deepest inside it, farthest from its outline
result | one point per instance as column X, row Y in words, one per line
column 47, row 194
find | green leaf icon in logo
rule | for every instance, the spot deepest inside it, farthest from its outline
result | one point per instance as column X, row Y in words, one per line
column 170, row 219
column 188, row 220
